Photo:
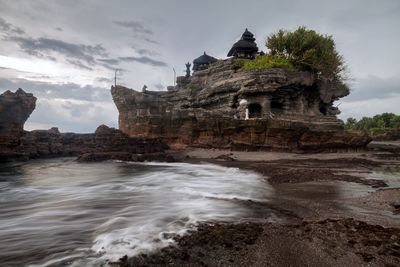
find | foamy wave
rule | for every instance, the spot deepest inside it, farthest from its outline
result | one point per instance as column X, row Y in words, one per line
column 91, row 213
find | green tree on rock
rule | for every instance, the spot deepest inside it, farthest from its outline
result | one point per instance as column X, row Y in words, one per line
column 308, row 50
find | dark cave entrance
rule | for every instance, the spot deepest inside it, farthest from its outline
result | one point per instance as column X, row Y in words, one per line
column 276, row 107
column 254, row 110
column 322, row 109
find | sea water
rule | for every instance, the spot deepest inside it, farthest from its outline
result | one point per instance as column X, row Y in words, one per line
column 61, row 212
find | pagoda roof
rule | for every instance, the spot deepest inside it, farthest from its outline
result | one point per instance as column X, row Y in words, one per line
column 245, row 44
column 204, row 59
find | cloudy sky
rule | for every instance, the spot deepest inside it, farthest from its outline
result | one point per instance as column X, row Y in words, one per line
column 65, row 52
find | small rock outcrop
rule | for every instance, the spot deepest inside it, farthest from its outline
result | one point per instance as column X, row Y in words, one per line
column 105, row 143
column 224, row 106
column 109, row 143
column 15, row 109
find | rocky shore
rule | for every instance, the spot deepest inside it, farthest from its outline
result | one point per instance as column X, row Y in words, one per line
column 330, row 242
column 336, row 213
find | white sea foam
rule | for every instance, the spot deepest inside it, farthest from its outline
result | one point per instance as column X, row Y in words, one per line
column 83, row 214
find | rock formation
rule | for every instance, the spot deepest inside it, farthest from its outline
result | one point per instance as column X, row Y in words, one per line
column 15, row 109
column 105, row 143
column 110, row 143
column 226, row 107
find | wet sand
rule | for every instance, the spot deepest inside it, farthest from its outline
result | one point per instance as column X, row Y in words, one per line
column 335, row 209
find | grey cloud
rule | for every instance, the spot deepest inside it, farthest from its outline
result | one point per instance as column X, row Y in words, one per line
column 159, row 86
column 144, row 60
column 151, row 41
column 110, row 61
column 78, row 63
column 134, row 26
column 373, row 87
column 77, row 110
column 141, row 59
column 41, row 46
column 104, row 80
column 112, row 67
column 9, row 28
column 145, row 52
column 50, row 91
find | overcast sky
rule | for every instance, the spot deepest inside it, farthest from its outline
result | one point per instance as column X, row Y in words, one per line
column 65, row 52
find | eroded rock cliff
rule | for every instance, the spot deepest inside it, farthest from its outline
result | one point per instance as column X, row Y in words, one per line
column 15, row 109
column 226, row 107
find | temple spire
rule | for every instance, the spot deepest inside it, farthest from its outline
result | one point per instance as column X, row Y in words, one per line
column 246, row 47
column 203, row 61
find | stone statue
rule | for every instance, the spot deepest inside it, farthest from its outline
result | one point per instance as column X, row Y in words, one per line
column 144, row 88
column 188, row 69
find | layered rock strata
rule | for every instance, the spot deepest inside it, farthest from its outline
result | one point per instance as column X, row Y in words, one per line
column 226, row 107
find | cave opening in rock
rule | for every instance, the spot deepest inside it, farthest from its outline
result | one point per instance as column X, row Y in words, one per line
column 322, row 109
column 276, row 107
column 254, row 110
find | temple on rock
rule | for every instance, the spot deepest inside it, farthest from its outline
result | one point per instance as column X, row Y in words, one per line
column 223, row 105
column 203, row 61
column 246, row 47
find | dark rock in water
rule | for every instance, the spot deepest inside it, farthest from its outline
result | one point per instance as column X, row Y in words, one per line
column 223, row 107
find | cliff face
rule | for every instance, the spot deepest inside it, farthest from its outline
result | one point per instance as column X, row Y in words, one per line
column 15, row 109
column 223, row 106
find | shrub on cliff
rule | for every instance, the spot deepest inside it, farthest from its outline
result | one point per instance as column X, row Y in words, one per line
column 308, row 50
column 268, row 62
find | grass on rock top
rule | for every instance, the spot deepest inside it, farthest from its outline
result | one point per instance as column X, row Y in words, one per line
column 266, row 62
